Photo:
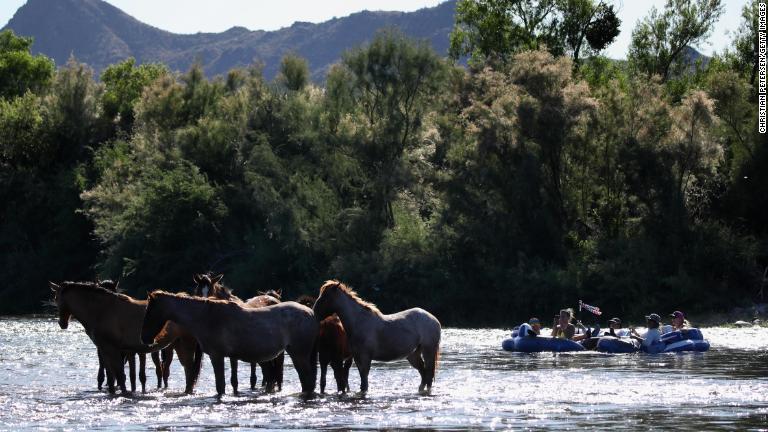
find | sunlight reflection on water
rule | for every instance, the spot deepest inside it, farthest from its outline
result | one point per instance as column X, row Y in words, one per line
column 48, row 380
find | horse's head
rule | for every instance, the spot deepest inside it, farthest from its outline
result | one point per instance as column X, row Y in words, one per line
column 326, row 301
column 64, row 313
column 207, row 285
column 154, row 319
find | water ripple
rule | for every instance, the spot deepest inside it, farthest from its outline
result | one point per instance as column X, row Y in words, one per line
column 48, row 381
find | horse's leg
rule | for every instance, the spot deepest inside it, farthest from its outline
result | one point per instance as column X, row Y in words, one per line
column 186, row 354
column 218, row 371
column 167, row 355
column 363, row 363
column 158, row 368
column 418, row 363
column 278, row 371
column 143, row 372
column 233, row 373
column 254, row 380
column 303, row 363
column 114, row 361
column 347, row 365
column 132, row 370
column 110, row 378
column 323, row 371
column 197, row 365
column 338, row 373
column 100, row 373
column 430, row 355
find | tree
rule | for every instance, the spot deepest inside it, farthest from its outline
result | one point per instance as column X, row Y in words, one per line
column 393, row 82
column 21, row 71
column 585, row 20
column 123, row 84
column 659, row 40
column 294, row 72
column 494, row 30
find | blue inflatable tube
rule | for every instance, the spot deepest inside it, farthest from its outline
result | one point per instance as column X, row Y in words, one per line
column 614, row 345
column 539, row 344
column 676, row 341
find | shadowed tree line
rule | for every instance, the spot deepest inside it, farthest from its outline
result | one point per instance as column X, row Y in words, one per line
column 540, row 174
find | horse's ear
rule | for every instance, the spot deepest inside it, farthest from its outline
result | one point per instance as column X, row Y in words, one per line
column 54, row 287
column 196, row 278
column 217, row 278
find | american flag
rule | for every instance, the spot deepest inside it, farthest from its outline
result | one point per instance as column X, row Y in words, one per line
column 593, row 309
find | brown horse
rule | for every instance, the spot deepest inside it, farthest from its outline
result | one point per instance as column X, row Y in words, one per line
column 113, row 322
column 113, row 286
column 413, row 334
column 209, row 286
column 332, row 348
column 227, row 329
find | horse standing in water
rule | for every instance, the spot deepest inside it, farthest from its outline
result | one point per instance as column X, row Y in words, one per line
column 272, row 370
column 413, row 334
column 112, row 321
column 332, row 348
column 227, row 329
column 113, row 286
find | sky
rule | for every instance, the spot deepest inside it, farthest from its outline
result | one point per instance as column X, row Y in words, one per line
column 192, row 16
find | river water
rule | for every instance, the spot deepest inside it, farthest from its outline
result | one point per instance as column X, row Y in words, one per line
column 48, row 380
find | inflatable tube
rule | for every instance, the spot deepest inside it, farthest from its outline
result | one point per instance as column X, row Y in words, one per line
column 610, row 344
column 680, row 341
column 540, row 344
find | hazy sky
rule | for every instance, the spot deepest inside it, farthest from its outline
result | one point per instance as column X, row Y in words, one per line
column 191, row 16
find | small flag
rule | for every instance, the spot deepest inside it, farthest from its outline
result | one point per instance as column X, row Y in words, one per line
column 593, row 309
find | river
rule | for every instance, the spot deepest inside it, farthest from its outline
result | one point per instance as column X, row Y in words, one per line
column 48, row 380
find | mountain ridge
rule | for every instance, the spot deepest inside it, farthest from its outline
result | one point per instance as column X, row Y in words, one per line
column 99, row 34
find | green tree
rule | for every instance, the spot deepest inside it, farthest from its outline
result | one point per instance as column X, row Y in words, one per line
column 294, row 72
column 21, row 71
column 123, row 84
column 494, row 30
column 393, row 83
column 659, row 39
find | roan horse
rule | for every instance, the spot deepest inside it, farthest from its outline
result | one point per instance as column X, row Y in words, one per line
column 413, row 334
column 208, row 285
column 227, row 329
column 112, row 321
column 332, row 348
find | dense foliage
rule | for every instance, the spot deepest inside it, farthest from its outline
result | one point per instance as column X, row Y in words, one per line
column 484, row 195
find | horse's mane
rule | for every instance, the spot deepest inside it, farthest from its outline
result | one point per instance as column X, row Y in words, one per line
column 185, row 296
column 351, row 293
column 96, row 288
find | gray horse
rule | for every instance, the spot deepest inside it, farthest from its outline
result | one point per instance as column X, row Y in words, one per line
column 413, row 334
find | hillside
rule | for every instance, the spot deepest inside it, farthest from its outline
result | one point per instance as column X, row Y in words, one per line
column 100, row 34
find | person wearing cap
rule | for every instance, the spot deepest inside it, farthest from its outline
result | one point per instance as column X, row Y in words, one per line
column 615, row 329
column 535, row 325
column 678, row 321
column 530, row 329
column 653, row 335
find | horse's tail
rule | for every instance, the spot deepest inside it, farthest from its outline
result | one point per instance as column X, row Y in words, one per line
column 197, row 365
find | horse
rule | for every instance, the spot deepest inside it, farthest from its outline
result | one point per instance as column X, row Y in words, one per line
column 113, row 322
column 413, row 334
column 208, row 285
column 113, row 286
column 226, row 328
column 332, row 348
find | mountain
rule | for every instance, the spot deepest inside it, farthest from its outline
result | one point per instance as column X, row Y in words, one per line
column 99, row 34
